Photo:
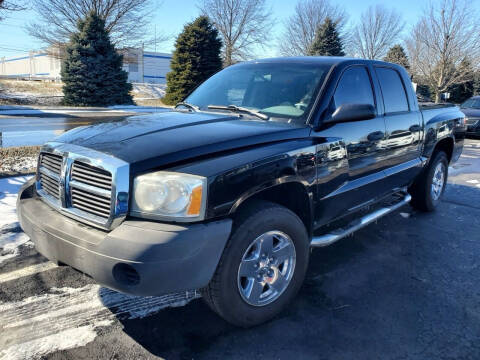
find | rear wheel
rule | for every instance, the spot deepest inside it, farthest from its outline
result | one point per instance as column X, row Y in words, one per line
column 430, row 186
column 262, row 267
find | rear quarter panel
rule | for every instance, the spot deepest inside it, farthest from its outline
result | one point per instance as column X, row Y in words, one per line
column 441, row 123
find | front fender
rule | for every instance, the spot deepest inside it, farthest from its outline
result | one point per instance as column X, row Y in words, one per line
column 227, row 191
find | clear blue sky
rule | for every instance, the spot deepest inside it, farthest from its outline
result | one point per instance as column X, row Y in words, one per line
column 171, row 15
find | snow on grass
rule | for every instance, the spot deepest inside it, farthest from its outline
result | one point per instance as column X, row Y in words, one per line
column 149, row 90
column 20, row 165
column 11, row 236
column 66, row 318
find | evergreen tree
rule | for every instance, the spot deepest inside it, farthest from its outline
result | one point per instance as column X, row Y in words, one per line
column 397, row 55
column 195, row 59
column 92, row 71
column 476, row 83
column 327, row 41
column 423, row 93
column 461, row 92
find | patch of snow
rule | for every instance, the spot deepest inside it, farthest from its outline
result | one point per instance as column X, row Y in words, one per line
column 473, row 181
column 39, row 325
column 11, row 237
column 9, row 188
column 10, row 245
column 27, row 271
column 27, row 95
column 36, row 349
column 21, row 164
column 405, row 215
column 156, row 91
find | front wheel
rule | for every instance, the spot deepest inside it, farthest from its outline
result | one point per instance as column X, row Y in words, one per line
column 430, row 186
column 262, row 267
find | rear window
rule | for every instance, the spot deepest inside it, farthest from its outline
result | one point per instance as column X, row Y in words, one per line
column 394, row 96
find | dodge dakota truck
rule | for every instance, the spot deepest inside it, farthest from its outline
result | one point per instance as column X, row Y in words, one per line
column 227, row 193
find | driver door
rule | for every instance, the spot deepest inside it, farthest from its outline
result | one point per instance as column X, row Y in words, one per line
column 363, row 143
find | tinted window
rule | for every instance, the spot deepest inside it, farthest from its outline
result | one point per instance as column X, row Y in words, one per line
column 354, row 88
column 394, row 96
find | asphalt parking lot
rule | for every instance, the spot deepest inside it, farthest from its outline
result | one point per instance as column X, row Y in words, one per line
column 406, row 287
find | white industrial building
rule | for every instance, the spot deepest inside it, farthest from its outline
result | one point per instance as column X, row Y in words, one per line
column 142, row 66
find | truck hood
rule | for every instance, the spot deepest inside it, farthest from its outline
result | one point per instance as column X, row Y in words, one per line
column 150, row 141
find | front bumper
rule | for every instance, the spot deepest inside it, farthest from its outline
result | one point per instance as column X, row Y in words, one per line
column 137, row 257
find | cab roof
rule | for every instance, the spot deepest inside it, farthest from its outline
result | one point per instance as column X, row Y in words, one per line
column 324, row 60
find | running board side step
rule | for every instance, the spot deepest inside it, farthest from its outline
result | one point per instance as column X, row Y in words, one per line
column 330, row 238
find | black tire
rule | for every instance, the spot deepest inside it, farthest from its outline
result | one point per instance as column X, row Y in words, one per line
column 223, row 294
column 421, row 190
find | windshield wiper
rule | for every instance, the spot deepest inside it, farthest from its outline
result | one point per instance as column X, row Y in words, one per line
column 239, row 109
column 187, row 105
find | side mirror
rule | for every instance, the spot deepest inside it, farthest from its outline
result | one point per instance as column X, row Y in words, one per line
column 352, row 112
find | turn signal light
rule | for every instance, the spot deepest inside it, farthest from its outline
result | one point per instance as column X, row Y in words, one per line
column 195, row 201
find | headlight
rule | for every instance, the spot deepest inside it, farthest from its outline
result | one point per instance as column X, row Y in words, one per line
column 169, row 196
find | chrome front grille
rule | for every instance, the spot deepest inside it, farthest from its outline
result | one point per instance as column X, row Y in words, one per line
column 49, row 174
column 92, row 176
column 91, row 189
column 51, row 162
column 84, row 184
column 91, row 203
column 50, row 185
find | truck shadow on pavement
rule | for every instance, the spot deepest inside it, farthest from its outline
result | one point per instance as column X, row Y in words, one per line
column 399, row 287
column 193, row 330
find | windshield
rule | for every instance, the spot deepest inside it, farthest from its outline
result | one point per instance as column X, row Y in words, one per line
column 471, row 103
column 280, row 91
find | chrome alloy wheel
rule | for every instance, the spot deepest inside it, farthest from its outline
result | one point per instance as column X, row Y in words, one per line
column 266, row 268
column 438, row 181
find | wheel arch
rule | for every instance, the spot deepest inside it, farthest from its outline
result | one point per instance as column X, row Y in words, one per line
column 446, row 145
column 289, row 192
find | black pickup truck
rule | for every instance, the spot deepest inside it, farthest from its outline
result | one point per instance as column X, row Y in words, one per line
column 228, row 192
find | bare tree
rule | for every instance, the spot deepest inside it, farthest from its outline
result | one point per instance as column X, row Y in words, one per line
column 442, row 42
column 377, row 31
column 126, row 20
column 243, row 25
column 301, row 26
column 9, row 5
